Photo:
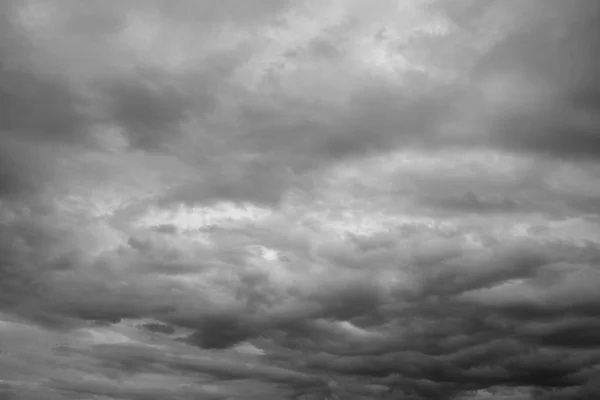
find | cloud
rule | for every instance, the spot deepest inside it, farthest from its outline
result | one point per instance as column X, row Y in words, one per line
column 159, row 328
column 539, row 83
column 470, row 202
column 299, row 200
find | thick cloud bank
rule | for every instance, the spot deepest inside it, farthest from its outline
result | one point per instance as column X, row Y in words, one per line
column 267, row 199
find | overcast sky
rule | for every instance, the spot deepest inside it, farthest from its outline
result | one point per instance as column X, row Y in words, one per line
column 285, row 199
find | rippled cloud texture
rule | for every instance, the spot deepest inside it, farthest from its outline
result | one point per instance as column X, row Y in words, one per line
column 273, row 199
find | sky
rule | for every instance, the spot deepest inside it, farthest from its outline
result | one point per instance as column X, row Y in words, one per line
column 299, row 199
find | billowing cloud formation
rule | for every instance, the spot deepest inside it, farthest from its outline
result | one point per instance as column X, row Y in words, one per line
column 299, row 199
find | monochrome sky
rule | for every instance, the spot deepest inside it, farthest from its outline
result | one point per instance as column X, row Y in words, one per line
column 299, row 199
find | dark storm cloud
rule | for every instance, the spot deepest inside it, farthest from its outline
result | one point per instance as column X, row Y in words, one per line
column 20, row 280
column 159, row 328
column 50, row 106
column 472, row 203
column 293, row 138
column 468, row 347
column 149, row 110
column 581, row 333
column 167, row 229
column 224, row 329
column 221, row 331
column 554, row 58
column 261, row 182
column 449, row 346
column 30, row 279
column 22, row 169
column 36, row 109
column 123, row 392
column 473, row 271
column 145, row 358
column 45, row 107
column 536, row 89
column 37, row 104
column 380, row 120
column 522, row 96
column 489, row 282
column 495, row 362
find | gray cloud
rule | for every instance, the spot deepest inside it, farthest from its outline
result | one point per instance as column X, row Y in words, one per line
column 553, row 56
column 470, row 202
column 299, row 200
column 159, row 328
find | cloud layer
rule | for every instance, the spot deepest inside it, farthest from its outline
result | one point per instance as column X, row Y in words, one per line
column 299, row 199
